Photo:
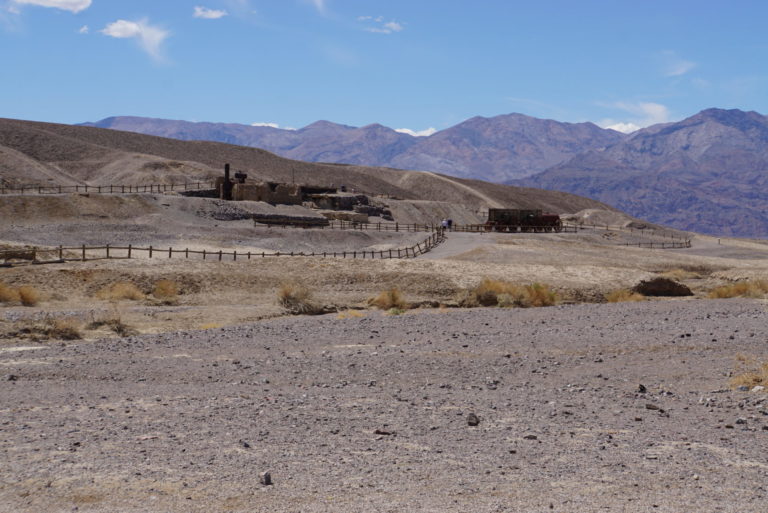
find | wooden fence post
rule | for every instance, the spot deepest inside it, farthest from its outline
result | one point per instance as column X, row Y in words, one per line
column 150, row 252
column 220, row 253
column 203, row 254
column 83, row 252
column 170, row 252
column 186, row 253
column 129, row 251
column 107, row 251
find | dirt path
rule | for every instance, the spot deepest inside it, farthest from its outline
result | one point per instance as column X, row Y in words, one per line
column 487, row 199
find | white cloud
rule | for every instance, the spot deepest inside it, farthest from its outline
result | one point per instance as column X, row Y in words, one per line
column 675, row 66
column 319, row 5
column 150, row 37
column 84, row 29
column 74, row 6
column 645, row 114
column 417, row 133
column 377, row 25
column 208, row 14
column 273, row 125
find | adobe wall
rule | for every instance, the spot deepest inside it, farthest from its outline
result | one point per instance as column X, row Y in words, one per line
column 284, row 194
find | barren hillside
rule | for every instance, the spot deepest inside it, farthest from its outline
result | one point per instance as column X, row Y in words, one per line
column 47, row 153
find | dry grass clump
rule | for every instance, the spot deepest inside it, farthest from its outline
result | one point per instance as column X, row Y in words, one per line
column 753, row 289
column 680, row 274
column 389, row 299
column 114, row 322
column 26, row 295
column 120, row 290
column 9, row 294
column 505, row 294
column 209, row 326
column 297, row 299
column 167, row 292
column 29, row 296
column 49, row 328
column 751, row 372
column 623, row 295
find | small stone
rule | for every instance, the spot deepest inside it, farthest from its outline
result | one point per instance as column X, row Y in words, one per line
column 641, row 389
column 13, row 377
column 743, row 388
column 741, row 420
column 473, row 420
column 531, row 437
column 245, row 444
column 757, row 388
column 265, row 478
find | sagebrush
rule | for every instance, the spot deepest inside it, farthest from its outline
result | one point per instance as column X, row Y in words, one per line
column 297, row 299
column 506, row 294
column 751, row 288
column 751, row 372
column 623, row 295
column 120, row 290
column 389, row 299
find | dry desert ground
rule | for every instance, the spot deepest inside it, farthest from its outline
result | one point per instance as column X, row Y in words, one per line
column 580, row 407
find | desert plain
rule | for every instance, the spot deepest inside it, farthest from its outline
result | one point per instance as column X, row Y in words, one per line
column 581, row 406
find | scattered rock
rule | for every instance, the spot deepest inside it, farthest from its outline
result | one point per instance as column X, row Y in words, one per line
column 757, row 388
column 743, row 388
column 641, row 389
column 265, row 478
column 383, row 432
column 473, row 420
column 531, row 437
column 13, row 377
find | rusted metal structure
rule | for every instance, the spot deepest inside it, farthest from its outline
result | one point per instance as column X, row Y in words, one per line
column 524, row 220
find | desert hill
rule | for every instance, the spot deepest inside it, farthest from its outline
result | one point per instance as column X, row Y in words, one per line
column 47, row 153
column 497, row 149
column 705, row 173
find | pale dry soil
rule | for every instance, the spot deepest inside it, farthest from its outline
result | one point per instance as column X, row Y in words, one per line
column 371, row 414
column 220, row 385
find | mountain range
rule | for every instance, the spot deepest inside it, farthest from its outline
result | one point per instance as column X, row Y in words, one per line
column 705, row 173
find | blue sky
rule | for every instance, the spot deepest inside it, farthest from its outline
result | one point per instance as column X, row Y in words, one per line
column 418, row 65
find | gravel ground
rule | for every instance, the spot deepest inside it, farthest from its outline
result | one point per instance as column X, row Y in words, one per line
column 373, row 414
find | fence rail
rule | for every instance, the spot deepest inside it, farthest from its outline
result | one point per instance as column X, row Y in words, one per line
column 104, row 189
column 84, row 253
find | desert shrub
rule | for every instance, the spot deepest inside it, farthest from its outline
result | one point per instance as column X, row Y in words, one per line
column 623, row 295
column 297, row 299
column 395, row 311
column 9, row 294
column 29, row 296
column 64, row 329
column 389, row 299
column 166, row 289
column 210, row 326
column 114, row 322
column 120, row 290
column 539, row 294
column 751, row 372
column 505, row 294
column 47, row 329
column 754, row 289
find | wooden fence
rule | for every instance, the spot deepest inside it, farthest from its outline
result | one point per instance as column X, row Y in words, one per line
column 105, row 189
column 85, row 253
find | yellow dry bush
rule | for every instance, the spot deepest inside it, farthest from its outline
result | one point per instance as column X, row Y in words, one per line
column 751, row 372
column 166, row 289
column 297, row 299
column 120, row 290
column 753, row 289
column 505, row 294
column 64, row 329
column 29, row 296
column 623, row 295
column 9, row 294
column 210, row 326
column 389, row 299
